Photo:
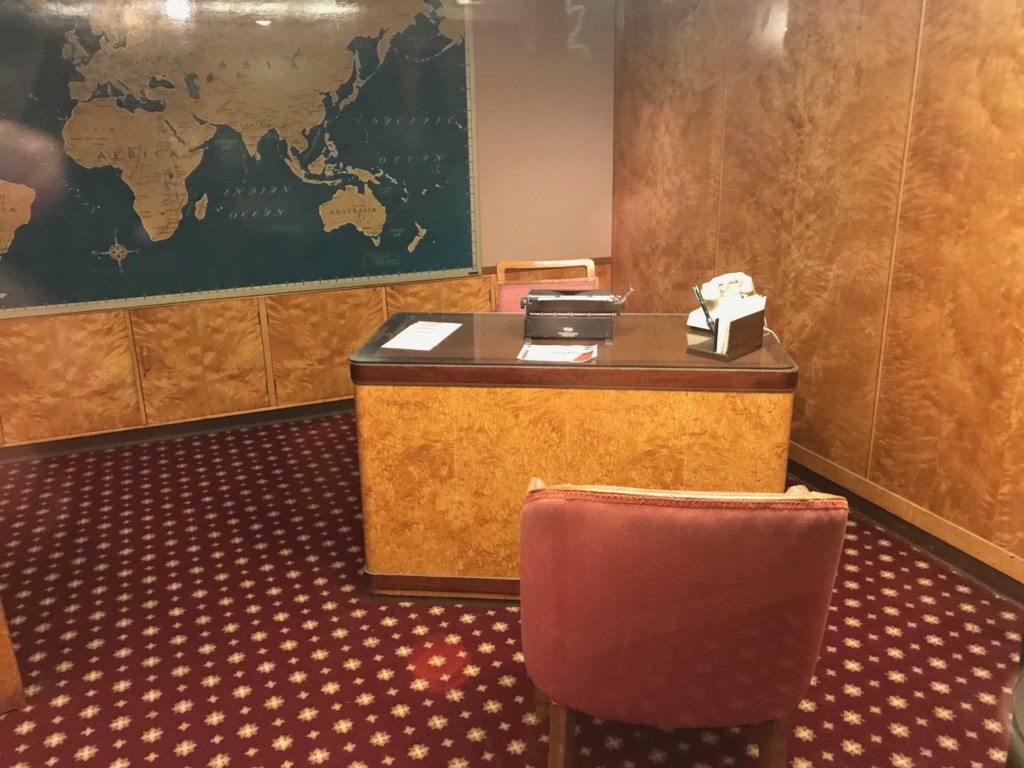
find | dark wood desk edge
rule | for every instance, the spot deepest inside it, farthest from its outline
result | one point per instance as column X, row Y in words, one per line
column 577, row 377
column 466, row 586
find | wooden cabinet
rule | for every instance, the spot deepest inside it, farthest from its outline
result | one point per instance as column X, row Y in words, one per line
column 312, row 336
column 66, row 375
column 467, row 294
column 201, row 359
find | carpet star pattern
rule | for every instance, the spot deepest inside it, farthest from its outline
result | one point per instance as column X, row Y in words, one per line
column 198, row 602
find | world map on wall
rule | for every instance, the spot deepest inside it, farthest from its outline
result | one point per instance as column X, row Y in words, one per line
column 154, row 149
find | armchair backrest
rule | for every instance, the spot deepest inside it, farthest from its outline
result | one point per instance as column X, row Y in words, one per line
column 510, row 293
column 676, row 609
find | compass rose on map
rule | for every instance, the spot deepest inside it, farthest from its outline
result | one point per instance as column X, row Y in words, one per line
column 117, row 252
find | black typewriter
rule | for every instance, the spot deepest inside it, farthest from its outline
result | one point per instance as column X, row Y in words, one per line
column 571, row 314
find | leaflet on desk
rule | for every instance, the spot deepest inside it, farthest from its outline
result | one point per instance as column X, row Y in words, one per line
column 423, row 335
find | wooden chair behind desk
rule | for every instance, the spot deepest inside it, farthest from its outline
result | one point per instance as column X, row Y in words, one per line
column 12, row 694
column 511, row 292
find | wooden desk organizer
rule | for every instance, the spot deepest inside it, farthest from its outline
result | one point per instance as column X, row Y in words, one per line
column 746, row 335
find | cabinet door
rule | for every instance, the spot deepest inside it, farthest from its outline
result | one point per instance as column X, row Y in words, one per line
column 468, row 294
column 66, row 375
column 201, row 359
column 312, row 336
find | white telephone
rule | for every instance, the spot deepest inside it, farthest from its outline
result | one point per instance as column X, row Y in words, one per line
column 720, row 292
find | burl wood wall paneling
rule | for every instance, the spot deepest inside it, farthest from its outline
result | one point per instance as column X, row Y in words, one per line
column 818, row 102
column 1008, row 520
column 466, row 294
column 200, row 359
column 871, row 182
column 669, row 117
column 948, row 432
column 66, row 375
column 312, row 336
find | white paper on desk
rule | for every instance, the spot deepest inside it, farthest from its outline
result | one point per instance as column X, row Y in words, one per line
column 732, row 312
column 558, row 353
column 422, row 335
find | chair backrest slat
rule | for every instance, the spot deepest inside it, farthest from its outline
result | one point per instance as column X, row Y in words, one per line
column 511, row 293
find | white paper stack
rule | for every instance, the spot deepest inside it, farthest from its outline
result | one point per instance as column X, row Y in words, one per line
column 423, row 335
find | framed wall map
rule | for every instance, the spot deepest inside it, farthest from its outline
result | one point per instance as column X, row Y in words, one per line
column 154, row 151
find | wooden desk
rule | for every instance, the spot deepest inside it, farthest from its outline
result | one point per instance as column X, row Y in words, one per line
column 448, row 439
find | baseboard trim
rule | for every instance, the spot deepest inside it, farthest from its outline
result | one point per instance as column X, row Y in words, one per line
column 443, row 586
column 144, row 434
column 988, row 553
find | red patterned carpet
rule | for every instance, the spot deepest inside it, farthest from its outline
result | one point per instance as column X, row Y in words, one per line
column 198, row 602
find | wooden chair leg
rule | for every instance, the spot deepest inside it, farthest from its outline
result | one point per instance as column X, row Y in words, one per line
column 12, row 694
column 561, row 736
column 771, row 742
column 542, row 703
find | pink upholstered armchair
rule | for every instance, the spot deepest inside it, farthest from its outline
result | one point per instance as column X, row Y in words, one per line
column 677, row 610
column 510, row 293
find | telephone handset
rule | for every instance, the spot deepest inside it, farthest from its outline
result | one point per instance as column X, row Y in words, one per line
column 719, row 292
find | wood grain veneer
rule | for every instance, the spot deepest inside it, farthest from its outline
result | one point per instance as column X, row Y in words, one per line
column 985, row 550
column 819, row 94
column 66, row 375
column 444, row 469
column 947, row 430
column 669, row 117
column 200, row 359
column 870, row 182
column 12, row 694
column 467, row 294
column 312, row 336
column 1008, row 519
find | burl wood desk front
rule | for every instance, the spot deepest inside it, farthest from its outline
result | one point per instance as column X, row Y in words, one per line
column 449, row 438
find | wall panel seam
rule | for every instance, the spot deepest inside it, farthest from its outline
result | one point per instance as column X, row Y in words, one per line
column 721, row 144
column 136, row 368
column 617, row 65
column 895, row 240
column 268, row 362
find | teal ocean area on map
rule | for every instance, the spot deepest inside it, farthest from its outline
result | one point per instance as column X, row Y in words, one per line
column 292, row 153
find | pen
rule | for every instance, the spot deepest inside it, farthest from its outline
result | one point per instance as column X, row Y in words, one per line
column 707, row 315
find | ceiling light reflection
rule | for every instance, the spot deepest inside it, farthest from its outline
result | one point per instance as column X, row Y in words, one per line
column 177, row 9
column 181, row 10
column 267, row 9
column 772, row 24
